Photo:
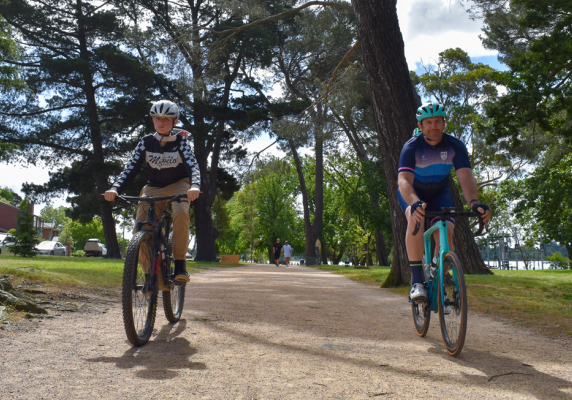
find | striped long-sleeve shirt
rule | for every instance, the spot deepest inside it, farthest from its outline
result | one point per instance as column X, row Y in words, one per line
column 167, row 165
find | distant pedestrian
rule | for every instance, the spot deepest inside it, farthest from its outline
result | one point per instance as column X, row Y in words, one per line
column 287, row 253
column 277, row 250
column 318, row 247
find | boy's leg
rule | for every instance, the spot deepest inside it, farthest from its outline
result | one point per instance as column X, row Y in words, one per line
column 146, row 252
column 181, row 222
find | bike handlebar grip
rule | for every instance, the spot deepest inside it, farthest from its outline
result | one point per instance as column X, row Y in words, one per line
column 417, row 226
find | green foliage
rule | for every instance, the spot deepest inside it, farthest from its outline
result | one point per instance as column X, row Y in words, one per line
column 543, row 200
column 66, row 236
column 264, row 210
column 78, row 253
column 57, row 216
column 25, row 232
column 559, row 261
column 9, row 196
column 355, row 204
column 534, row 39
column 9, row 77
column 82, row 232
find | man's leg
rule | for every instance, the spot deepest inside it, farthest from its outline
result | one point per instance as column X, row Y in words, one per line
column 415, row 249
column 287, row 260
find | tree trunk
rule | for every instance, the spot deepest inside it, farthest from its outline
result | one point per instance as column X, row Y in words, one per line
column 380, row 249
column 313, row 229
column 98, row 158
column 206, row 232
column 465, row 245
column 394, row 105
column 569, row 250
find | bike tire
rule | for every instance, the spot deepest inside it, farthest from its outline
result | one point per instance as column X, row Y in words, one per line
column 454, row 293
column 174, row 299
column 139, row 302
column 421, row 318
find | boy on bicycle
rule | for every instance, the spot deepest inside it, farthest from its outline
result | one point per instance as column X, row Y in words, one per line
column 425, row 164
column 172, row 170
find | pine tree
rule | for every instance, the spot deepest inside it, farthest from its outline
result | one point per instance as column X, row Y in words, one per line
column 25, row 232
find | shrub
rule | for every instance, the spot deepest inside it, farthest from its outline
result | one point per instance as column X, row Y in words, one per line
column 78, row 253
column 558, row 261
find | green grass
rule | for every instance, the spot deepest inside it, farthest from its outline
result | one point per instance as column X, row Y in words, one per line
column 83, row 272
column 538, row 299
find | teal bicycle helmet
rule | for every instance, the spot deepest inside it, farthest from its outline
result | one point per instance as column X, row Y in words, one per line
column 431, row 109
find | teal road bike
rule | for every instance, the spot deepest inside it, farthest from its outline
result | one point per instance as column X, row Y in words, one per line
column 445, row 284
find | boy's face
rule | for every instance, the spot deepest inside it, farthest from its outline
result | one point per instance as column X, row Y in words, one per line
column 163, row 125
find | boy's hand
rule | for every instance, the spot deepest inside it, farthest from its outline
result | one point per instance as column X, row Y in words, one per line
column 110, row 195
column 193, row 194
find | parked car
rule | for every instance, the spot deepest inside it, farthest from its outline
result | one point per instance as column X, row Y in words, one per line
column 94, row 248
column 51, row 248
column 6, row 240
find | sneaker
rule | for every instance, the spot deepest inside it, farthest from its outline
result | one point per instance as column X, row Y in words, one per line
column 182, row 277
column 181, row 274
column 418, row 292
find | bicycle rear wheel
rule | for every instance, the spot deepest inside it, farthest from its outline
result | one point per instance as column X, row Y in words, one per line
column 174, row 299
column 454, row 294
column 139, row 299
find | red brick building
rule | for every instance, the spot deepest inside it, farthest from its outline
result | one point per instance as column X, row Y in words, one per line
column 9, row 218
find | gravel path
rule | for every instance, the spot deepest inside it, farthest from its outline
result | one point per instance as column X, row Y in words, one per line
column 261, row 332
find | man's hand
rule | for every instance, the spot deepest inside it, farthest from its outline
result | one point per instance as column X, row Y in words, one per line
column 193, row 194
column 418, row 211
column 484, row 210
column 110, row 195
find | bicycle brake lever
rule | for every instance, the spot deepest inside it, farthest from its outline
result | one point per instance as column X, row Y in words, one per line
column 481, row 227
column 417, row 226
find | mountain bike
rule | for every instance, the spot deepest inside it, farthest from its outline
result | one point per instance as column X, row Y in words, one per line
column 445, row 285
column 149, row 266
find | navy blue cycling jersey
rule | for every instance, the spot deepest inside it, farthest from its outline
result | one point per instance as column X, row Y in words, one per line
column 431, row 165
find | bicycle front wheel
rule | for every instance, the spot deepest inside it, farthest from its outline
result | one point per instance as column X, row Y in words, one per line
column 453, row 305
column 139, row 297
column 173, row 300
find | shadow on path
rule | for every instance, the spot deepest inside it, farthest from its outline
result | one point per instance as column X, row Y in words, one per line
column 161, row 357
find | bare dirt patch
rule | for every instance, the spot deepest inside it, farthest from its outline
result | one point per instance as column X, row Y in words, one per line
column 261, row 332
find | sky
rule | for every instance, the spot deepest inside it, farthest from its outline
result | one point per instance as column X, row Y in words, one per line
column 428, row 27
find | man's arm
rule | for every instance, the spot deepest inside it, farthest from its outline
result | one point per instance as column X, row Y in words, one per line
column 470, row 190
column 405, row 184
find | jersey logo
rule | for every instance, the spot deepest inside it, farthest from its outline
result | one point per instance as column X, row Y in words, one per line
column 443, row 155
column 164, row 160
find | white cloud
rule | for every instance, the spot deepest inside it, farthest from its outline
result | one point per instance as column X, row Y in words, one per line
column 430, row 27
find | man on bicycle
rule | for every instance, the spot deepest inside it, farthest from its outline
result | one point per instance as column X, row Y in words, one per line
column 172, row 170
column 425, row 164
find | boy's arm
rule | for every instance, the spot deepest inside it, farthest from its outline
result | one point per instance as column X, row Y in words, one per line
column 190, row 164
column 131, row 168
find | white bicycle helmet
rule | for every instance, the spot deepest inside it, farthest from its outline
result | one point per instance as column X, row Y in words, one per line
column 164, row 108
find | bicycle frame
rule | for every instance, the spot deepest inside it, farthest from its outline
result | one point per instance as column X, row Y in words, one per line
column 432, row 280
column 434, row 273
column 156, row 227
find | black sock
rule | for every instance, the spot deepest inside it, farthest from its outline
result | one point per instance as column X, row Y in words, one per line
column 416, row 271
column 180, row 266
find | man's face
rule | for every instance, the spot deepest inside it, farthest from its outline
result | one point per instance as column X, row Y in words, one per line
column 432, row 128
column 163, row 125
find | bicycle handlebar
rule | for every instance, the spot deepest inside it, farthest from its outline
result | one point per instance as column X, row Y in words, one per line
column 449, row 213
column 124, row 200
